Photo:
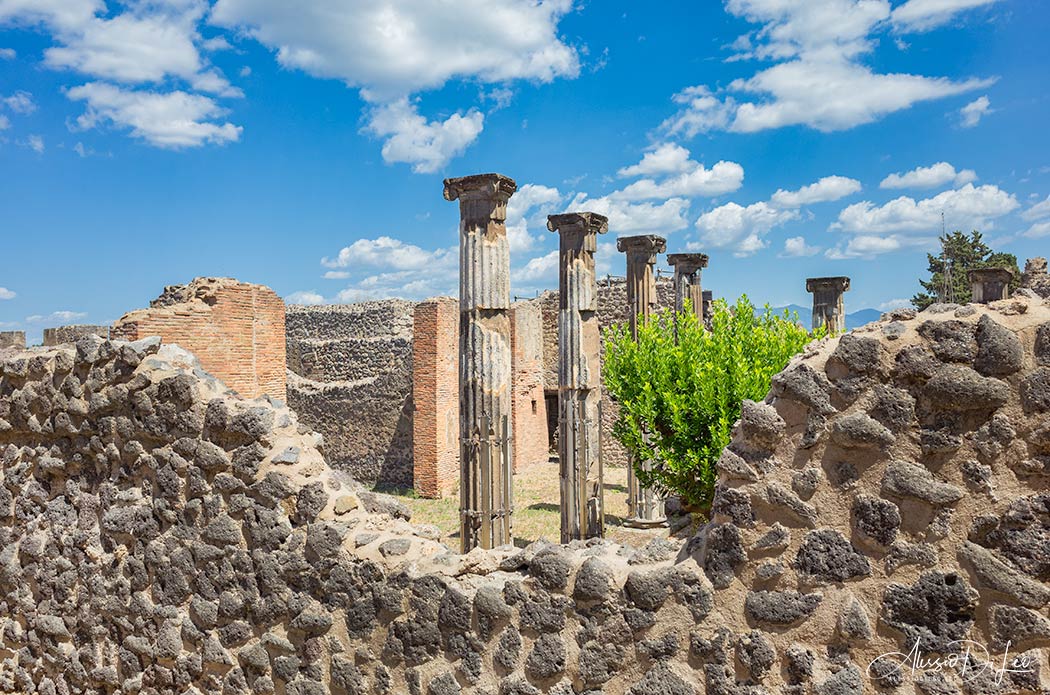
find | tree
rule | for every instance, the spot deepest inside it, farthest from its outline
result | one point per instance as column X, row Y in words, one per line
column 949, row 271
column 678, row 401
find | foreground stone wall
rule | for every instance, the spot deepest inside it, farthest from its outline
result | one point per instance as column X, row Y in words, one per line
column 236, row 330
column 350, row 378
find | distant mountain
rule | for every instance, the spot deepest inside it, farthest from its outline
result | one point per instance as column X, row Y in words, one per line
column 853, row 320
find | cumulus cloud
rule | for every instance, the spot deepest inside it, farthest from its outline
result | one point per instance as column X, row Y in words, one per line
column 6, row 293
column 826, row 189
column 971, row 114
column 968, row 207
column 387, row 252
column 818, row 79
column 539, row 269
column 20, row 102
column 732, row 226
column 933, row 176
column 7, row 54
column 869, row 246
column 796, row 247
column 892, row 304
column 665, row 158
column 1037, row 211
column 35, row 143
column 1038, row 230
column 304, row 297
column 627, row 217
column 923, row 15
column 165, row 119
column 696, row 180
column 528, row 208
column 61, row 316
column 5, row 122
column 426, row 145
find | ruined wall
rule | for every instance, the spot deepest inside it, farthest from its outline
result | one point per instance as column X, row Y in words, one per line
column 235, row 329
column 1035, row 277
column 69, row 334
column 350, row 378
column 528, row 408
column 435, row 392
column 12, row 339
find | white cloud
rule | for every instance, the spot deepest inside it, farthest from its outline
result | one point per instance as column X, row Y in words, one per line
column 35, row 143
column 411, row 139
column 1037, row 211
column 971, row 114
column 395, row 49
column 892, row 304
column 698, row 180
column 796, row 247
column 20, row 102
column 923, row 15
column 1038, row 230
column 826, row 189
column 7, row 54
column 528, row 207
column 666, row 158
column 5, row 122
column 538, row 269
column 173, row 119
column 304, row 297
column 817, row 80
column 869, row 246
column 6, row 293
column 61, row 316
column 635, row 218
column 933, row 176
column 336, row 275
column 964, row 208
column 387, row 252
column 741, row 228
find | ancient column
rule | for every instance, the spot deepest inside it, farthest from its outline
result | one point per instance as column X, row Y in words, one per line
column 829, row 308
column 645, row 508
column 486, row 495
column 579, row 375
column 687, row 269
column 990, row 284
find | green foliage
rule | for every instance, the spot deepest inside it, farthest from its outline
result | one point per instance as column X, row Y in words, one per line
column 960, row 253
column 679, row 400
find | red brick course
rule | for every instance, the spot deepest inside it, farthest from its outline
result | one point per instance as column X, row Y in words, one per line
column 435, row 392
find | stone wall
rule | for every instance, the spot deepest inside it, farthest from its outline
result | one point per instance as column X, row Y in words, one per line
column 235, row 329
column 350, row 378
column 12, row 339
column 435, row 391
column 70, row 334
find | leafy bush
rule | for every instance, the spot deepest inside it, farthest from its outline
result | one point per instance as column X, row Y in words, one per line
column 679, row 400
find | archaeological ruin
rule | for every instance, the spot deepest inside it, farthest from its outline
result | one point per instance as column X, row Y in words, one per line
column 191, row 500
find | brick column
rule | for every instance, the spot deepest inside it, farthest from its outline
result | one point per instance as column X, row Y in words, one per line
column 435, row 383
column 990, row 284
column 486, row 494
column 829, row 307
column 687, row 269
column 645, row 508
column 579, row 375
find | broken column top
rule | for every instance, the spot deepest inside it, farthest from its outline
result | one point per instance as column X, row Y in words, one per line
column 839, row 283
column 587, row 222
column 643, row 242
column 480, row 186
column 687, row 262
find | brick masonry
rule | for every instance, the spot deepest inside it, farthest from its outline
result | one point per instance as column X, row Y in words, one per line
column 528, row 409
column 435, row 386
column 235, row 329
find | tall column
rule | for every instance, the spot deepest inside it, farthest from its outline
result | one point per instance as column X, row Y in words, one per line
column 990, row 284
column 687, row 269
column 645, row 508
column 486, row 494
column 829, row 307
column 579, row 375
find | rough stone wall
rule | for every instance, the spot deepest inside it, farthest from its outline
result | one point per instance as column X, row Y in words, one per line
column 528, row 407
column 235, row 329
column 12, row 339
column 1035, row 277
column 435, row 392
column 350, row 378
column 69, row 334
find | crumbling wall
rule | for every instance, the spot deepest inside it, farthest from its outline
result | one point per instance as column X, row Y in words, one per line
column 350, row 378
column 69, row 334
column 12, row 339
column 435, row 393
column 1035, row 277
column 235, row 329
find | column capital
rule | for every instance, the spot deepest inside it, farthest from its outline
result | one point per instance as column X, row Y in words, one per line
column 480, row 187
column 646, row 243
column 587, row 222
column 838, row 283
column 991, row 275
column 687, row 263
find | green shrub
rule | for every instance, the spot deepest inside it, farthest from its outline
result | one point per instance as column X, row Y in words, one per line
column 679, row 399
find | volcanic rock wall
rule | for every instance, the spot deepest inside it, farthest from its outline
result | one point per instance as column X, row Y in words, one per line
column 350, row 378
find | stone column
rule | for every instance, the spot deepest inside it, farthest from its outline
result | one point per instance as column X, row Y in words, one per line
column 486, row 494
column 829, row 308
column 687, row 270
column 579, row 375
column 644, row 507
column 990, row 284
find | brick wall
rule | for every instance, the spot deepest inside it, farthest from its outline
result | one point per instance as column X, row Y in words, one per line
column 528, row 410
column 235, row 329
column 435, row 390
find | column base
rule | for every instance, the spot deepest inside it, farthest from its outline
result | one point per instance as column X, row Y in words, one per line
column 638, row 522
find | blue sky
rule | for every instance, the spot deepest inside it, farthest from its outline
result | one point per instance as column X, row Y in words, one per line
column 303, row 145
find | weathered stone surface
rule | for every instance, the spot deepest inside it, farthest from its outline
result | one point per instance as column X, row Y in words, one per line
column 999, row 350
column 780, row 607
column 593, row 581
column 826, row 556
column 905, row 480
column 937, row 610
column 756, row 654
column 1020, row 627
column 993, row 573
column 761, row 425
column 876, row 519
column 723, row 553
column 853, row 624
column 785, row 500
column 956, row 388
column 860, row 431
column 951, row 341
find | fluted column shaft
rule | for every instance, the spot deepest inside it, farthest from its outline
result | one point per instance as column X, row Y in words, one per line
column 579, row 376
column 644, row 506
column 687, row 284
column 829, row 306
column 486, row 493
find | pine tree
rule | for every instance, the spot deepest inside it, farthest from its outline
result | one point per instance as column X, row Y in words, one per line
column 949, row 271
